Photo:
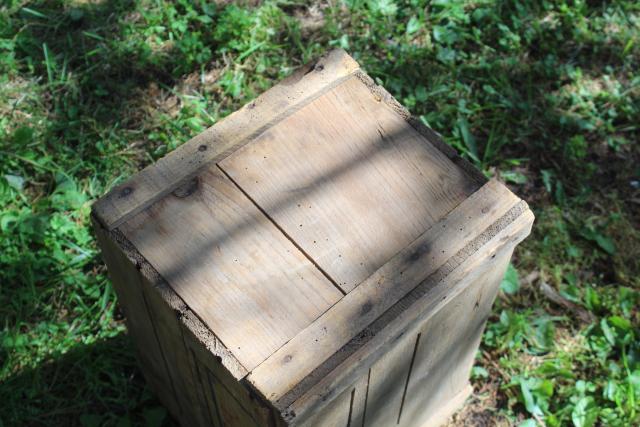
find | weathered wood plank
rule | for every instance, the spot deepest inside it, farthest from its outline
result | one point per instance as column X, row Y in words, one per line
column 205, row 391
column 420, row 304
column 232, row 412
column 217, row 142
column 335, row 414
column 125, row 280
column 388, row 378
column 232, row 267
column 349, row 180
column 449, row 342
column 288, row 366
column 359, row 400
column 180, row 369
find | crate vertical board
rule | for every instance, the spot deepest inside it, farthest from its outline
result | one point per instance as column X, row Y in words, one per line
column 349, row 409
column 448, row 343
column 388, row 379
column 318, row 258
column 140, row 325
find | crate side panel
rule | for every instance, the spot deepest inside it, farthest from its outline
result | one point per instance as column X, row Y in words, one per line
column 422, row 303
column 428, row 367
column 125, row 280
column 210, row 372
column 249, row 284
column 349, row 180
column 449, row 341
column 180, row 366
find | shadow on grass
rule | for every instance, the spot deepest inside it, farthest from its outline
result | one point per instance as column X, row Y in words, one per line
column 91, row 63
column 97, row 384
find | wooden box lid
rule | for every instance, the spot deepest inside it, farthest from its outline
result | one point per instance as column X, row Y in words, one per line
column 294, row 224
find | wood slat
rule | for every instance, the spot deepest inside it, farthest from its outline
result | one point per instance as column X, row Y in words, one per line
column 179, row 365
column 209, row 404
column 449, row 341
column 232, row 267
column 349, row 180
column 388, row 378
column 359, row 401
column 126, row 282
column 288, row 366
column 220, row 140
column 432, row 295
column 232, row 413
column 335, row 414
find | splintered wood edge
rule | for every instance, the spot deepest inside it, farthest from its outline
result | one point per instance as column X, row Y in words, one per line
column 424, row 301
column 187, row 317
column 219, row 141
column 293, row 368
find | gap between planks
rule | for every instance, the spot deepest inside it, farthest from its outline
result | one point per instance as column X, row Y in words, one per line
column 425, row 300
column 284, row 233
column 284, row 371
column 406, row 384
column 219, row 141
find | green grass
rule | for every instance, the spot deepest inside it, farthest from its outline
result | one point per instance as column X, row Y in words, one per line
column 544, row 94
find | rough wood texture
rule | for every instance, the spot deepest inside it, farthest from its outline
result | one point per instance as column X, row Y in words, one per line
column 222, row 139
column 431, row 295
column 213, row 375
column 319, row 258
column 349, row 180
column 387, row 382
column 232, row 267
column 448, row 343
column 183, row 361
column 297, row 359
column 126, row 282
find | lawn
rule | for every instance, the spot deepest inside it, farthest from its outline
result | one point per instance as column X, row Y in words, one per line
column 544, row 94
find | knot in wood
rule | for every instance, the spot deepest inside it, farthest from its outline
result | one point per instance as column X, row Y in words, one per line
column 187, row 189
column 126, row 191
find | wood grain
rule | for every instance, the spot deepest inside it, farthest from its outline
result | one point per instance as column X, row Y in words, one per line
column 388, row 378
column 359, row 401
column 428, row 298
column 232, row 267
column 349, row 180
column 288, row 366
column 163, row 177
column 126, row 282
column 179, row 364
column 449, row 341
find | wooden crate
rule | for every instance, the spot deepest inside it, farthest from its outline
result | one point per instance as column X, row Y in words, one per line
column 317, row 258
